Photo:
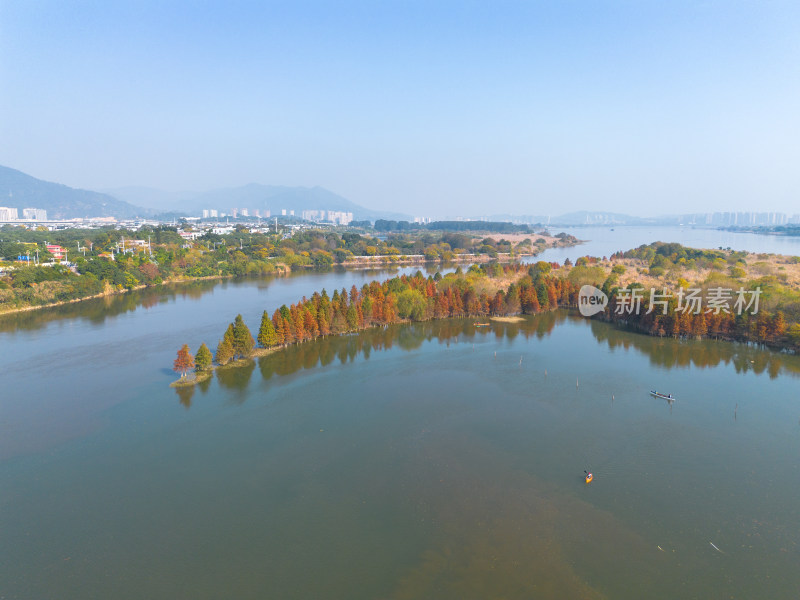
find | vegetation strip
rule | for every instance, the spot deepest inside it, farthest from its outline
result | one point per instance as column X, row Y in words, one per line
column 501, row 291
column 110, row 261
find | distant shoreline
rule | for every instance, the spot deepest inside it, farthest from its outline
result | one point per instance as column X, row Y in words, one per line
column 356, row 262
column 107, row 293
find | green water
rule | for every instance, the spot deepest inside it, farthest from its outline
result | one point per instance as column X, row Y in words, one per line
column 434, row 460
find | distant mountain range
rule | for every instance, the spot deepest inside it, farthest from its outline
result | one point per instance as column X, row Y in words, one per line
column 252, row 196
column 18, row 190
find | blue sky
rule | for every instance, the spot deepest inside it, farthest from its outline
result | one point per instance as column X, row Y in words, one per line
column 434, row 108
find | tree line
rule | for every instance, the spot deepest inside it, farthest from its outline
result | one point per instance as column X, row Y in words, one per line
column 764, row 327
column 478, row 293
column 105, row 260
column 498, row 290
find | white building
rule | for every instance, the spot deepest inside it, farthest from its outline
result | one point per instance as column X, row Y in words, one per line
column 340, row 217
column 314, row 215
column 34, row 214
column 8, row 214
column 333, row 216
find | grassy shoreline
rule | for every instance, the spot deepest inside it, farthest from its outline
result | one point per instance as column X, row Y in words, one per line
column 503, row 293
column 14, row 304
column 109, row 291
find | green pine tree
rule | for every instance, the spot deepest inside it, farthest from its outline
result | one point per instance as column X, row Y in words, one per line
column 243, row 341
column 229, row 334
column 352, row 317
column 224, row 353
column 267, row 337
column 203, row 358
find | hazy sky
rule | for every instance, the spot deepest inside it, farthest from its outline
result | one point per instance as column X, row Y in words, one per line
column 426, row 107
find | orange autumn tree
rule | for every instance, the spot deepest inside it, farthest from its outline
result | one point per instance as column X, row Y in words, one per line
column 184, row 362
column 415, row 298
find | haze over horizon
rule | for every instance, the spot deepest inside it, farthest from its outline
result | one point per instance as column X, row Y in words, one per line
column 426, row 108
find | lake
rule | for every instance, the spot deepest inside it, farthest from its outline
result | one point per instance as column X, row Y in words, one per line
column 431, row 460
column 604, row 241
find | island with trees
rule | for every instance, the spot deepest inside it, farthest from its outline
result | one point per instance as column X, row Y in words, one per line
column 658, row 275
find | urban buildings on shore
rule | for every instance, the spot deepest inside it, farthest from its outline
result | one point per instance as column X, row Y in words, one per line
column 337, row 217
column 743, row 219
column 28, row 214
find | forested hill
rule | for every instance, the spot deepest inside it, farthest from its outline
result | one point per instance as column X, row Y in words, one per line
column 19, row 190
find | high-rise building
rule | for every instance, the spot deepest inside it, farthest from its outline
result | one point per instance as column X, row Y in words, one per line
column 34, row 214
column 8, row 214
column 313, row 215
column 340, row 217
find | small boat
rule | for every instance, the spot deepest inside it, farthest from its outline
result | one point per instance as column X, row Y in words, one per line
column 660, row 395
column 482, row 324
column 589, row 477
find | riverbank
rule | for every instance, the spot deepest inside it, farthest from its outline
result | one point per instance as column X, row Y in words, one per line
column 112, row 291
column 500, row 292
column 503, row 292
column 355, row 262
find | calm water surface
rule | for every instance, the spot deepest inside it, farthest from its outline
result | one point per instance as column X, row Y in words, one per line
column 431, row 460
column 604, row 241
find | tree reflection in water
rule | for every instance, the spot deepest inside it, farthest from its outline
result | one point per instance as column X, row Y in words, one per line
column 671, row 353
column 663, row 352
